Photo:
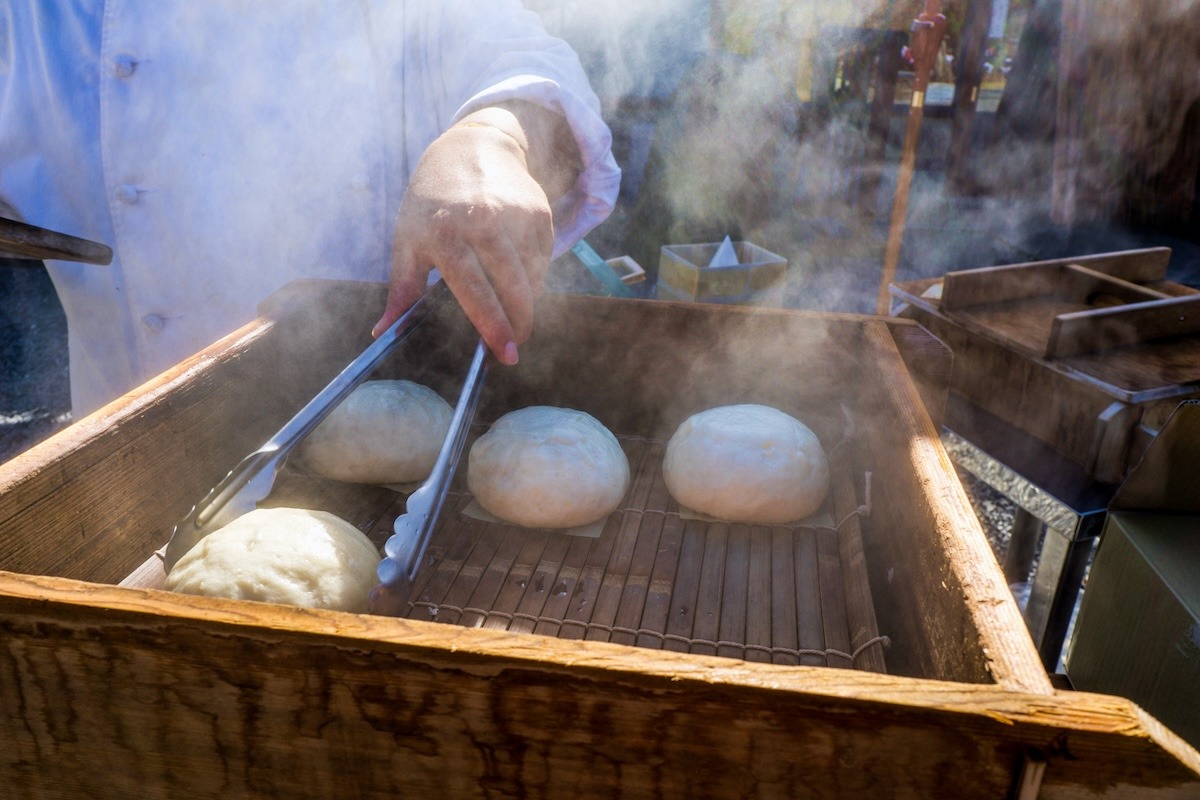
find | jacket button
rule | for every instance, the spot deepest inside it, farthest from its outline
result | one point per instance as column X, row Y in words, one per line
column 153, row 322
column 127, row 194
column 123, row 66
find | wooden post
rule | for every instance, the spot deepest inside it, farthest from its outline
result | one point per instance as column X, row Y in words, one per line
column 886, row 71
column 928, row 29
column 1068, row 146
column 968, row 76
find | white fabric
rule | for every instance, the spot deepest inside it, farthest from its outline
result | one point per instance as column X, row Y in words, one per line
column 225, row 148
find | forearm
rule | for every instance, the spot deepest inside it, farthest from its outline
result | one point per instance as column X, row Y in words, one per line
column 543, row 137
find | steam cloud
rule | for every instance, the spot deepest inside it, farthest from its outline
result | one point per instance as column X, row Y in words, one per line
column 760, row 132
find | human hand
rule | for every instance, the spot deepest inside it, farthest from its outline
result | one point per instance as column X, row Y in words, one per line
column 474, row 210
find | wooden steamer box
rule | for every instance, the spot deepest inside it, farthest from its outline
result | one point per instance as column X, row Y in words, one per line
column 685, row 688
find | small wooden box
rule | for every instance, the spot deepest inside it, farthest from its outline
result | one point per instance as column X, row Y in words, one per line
column 111, row 692
column 684, row 274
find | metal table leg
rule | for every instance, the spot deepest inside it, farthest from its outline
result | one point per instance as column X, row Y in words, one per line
column 1056, row 585
column 1066, row 549
column 1022, row 546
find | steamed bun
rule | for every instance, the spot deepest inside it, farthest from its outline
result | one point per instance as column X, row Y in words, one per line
column 384, row 432
column 548, row 467
column 746, row 463
column 282, row 555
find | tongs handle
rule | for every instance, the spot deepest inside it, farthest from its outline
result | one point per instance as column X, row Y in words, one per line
column 412, row 530
column 251, row 480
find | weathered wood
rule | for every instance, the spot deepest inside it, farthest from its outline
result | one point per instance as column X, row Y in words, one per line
column 989, row 285
column 657, row 612
column 785, row 631
column 860, row 606
column 1109, row 458
column 1140, row 374
column 808, row 597
column 590, row 577
column 734, row 582
column 93, row 501
column 687, row 582
column 707, row 620
column 109, row 693
column 200, row 697
column 833, row 600
column 930, row 363
column 968, row 77
column 1001, row 368
column 703, row 356
column 758, row 596
column 956, row 556
column 1081, row 284
column 1100, row 329
column 637, row 579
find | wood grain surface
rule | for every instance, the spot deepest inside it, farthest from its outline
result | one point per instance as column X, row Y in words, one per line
column 111, row 692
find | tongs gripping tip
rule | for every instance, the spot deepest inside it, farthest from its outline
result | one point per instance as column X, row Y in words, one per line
column 412, row 530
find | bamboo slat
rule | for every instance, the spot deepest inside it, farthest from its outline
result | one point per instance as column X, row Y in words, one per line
column 652, row 578
column 268, row 700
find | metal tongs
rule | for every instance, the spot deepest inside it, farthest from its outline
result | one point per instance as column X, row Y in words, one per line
column 251, row 480
column 405, row 548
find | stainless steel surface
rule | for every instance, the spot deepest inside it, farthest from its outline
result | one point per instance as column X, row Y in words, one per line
column 1068, row 532
column 1056, row 586
column 251, row 480
column 406, row 546
column 1006, row 480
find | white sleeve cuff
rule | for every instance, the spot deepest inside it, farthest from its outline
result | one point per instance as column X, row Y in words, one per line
column 594, row 195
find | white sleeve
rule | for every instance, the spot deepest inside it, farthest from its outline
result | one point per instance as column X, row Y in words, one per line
column 500, row 51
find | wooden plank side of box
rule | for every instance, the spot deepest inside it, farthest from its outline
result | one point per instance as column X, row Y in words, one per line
column 113, row 693
column 966, row 288
column 94, row 500
column 946, row 557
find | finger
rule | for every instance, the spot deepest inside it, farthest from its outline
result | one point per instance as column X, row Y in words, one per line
column 464, row 275
column 506, row 269
column 406, row 286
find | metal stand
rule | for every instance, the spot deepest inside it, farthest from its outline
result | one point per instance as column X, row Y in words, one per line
column 1058, row 502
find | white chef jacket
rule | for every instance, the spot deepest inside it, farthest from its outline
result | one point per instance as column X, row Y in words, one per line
column 224, row 148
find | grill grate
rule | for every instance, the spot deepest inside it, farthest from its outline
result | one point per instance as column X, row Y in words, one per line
column 659, row 579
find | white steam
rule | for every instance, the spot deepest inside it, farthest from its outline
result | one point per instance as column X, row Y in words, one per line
column 760, row 132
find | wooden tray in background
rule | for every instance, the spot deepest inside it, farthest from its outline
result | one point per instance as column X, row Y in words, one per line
column 1089, row 355
column 1076, row 306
